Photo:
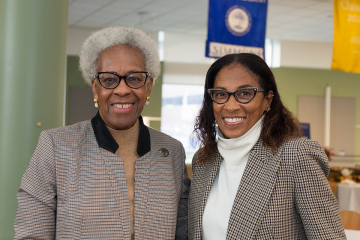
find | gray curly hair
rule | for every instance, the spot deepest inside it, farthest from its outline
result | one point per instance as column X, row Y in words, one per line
column 105, row 38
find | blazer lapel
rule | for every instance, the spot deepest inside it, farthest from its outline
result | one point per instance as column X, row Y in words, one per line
column 208, row 176
column 254, row 191
column 116, row 171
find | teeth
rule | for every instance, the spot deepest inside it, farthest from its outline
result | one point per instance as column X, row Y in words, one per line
column 123, row 106
column 233, row 120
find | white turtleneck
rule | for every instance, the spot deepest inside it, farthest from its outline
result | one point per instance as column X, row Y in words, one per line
column 218, row 207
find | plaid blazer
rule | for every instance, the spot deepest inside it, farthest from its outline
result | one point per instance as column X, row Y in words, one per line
column 281, row 196
column 73, row 189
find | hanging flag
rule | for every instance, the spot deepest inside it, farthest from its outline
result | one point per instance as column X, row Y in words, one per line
column 346, row 48
column 236, row 26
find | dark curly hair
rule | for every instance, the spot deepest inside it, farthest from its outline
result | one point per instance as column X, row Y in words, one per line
column 278, row 124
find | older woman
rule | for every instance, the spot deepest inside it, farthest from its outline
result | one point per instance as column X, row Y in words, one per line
column 259, row 180
column 111, row 177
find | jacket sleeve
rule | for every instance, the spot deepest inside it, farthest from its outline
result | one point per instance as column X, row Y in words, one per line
column 36, row 211
column 182, row 219
column 315, row 202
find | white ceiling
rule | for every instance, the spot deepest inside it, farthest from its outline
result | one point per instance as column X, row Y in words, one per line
column 301, row 20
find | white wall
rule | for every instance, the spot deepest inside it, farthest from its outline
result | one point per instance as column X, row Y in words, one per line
column 306, row 54
column 75, row 38
column 189, row 48
column 185, row 73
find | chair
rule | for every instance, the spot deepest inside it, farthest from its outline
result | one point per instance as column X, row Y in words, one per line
column 350, row 219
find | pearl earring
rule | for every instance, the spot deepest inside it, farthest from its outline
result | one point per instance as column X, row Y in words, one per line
column 96, row 102
column 147, row 100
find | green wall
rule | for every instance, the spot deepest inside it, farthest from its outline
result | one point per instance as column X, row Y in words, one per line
column 32, row 78
column 74, row 78
column 295, row 82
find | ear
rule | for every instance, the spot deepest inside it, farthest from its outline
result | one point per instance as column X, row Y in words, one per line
column 94, row 90
column 268, row 99
column 149, row 85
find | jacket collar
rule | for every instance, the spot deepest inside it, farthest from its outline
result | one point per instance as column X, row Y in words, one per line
column 106, row 141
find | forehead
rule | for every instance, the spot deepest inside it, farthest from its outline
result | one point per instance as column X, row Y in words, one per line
column 121, row 58
column 235, row 76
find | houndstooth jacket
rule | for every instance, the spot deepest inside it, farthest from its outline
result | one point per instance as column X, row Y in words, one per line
column 75, row 187
column 281, row 196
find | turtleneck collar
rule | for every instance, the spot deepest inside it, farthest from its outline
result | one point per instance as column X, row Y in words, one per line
column 234, row 150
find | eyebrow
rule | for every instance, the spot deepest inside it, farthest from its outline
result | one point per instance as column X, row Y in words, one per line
column 240, row 87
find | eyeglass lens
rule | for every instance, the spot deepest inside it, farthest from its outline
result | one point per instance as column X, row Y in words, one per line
column 133, row 80
column 242, row 95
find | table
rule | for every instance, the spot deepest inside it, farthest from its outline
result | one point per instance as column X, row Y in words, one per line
column 349, row 197
column 352, row 234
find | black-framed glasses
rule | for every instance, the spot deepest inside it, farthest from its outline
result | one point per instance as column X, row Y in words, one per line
column 243, row 95
column 111, row 80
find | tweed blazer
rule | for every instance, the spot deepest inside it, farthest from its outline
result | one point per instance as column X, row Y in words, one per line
column 281, row 196
column 75, row 189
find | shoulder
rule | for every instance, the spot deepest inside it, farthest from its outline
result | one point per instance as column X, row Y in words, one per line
column 298, row 142
column 68, row 134
column 302, row 151
column 77, row 127
column 301, row 145
column 215, row 159
column 195, row 159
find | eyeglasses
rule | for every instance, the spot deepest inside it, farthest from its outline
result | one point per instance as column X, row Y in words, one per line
column 111, row 80
column 243, row 95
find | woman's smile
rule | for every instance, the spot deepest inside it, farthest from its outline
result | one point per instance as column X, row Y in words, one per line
column 122, row 106
column 233, row 120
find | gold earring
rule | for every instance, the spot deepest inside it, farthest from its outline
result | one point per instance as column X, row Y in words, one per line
column 147, row 100
column 96, row 102
column 268, row 109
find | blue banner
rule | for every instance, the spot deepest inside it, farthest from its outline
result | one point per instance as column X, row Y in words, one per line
column 236, row 26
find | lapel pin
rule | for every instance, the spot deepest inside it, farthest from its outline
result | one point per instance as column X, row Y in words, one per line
column 163, row 152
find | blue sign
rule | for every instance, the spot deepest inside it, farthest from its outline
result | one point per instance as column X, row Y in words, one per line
column 236, row 26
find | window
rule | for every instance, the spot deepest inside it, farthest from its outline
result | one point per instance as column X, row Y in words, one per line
column 180, row 107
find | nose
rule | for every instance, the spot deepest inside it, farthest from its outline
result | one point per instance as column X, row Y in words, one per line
column 232, row 105
column 122, row 89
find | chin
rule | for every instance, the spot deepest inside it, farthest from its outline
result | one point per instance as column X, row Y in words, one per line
column 123, row 126
column 122, row 122
column 232, row 132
